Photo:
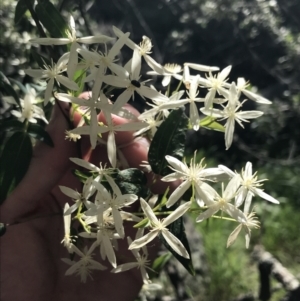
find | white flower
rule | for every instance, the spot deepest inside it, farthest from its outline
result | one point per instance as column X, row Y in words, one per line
column 231, row 113
column 91, row 107
column 85, row 264
column 215, row 202
column 71, row 137
column 143, row 50
column 51, row 73
column 142, row 262
column 194, row 114
column 168, row 71
column 105, row 234
column 73, row 40
column 110, row 128
column 250, row 187
column 68, row 240
column 202, row 68
column 102, row 171
column 160, row 227
column 250, row 222
column 115, row 201
column 79, row 198
column 242, row 87
column 214, row 84
column 193, row 175
column 29, row 110
column 153, row 124
column 148, row 290
column 132, row 84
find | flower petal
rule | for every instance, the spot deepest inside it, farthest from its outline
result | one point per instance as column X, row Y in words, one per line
column 175, row 244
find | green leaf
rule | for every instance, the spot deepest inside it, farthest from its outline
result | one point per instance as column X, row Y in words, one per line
column 211, row 123
column 169, row 139
column 11, row 125
column 38, row 132
column 177, row 229
column 15, row 160
column 142, row 224
column 52, row 20
column 79, row 78
column 132, row 180
column 160, row 262
column 21, row 9
column 6, row 86
column 41, row 60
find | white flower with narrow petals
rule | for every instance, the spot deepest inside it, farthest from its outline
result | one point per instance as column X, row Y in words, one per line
column 215, row 202
column 132, row 84
column 110, row 128
column 142, row 263
column 250, row 187
column 101, row 171
column 193, row 175
column 143, row 50
column 169, row 71
column 73, row 40
column 215, row 84
column 194, row 113
column 232, row 114
column 105, row 237
column 242, row 87
column 68, row 240
column 115, row 202
column 160, row 227
column 29, row 109
column 79, row 198
column 52, row 73
column 85, row 265
column 250, row 222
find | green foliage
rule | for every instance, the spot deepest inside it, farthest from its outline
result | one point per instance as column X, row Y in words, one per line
column 6, row 87
column 37, row 132
column 177, row 229
column 15, row 159
column 52, row 20
column 211, row 123
column 169, row 139
column 21, row 9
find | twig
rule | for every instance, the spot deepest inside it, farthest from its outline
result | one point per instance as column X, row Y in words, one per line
column 268, row 265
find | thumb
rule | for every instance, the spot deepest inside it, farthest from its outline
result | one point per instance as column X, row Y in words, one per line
column 47, row 166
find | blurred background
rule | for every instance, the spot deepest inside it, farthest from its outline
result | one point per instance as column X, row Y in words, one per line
column 261, row 40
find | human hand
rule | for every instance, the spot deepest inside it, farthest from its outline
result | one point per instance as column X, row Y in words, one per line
column 30, row 261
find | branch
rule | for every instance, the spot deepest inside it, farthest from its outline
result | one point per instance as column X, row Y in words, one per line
column 268, row 265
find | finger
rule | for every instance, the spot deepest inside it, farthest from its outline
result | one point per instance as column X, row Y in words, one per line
column 47, row 166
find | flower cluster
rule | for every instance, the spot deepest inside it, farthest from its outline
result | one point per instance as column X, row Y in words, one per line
column 101, row 208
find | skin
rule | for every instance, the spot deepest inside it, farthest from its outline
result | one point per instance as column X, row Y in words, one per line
column 31, row 250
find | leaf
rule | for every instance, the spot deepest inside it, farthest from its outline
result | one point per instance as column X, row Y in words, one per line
column 132, row 180
column 15, row 160
column 41, row 60
column 38, row 132
column 169, row 139
column 177, row 229
column 79, row 78
column 21, row 9
column 159, row 264
column 6, row 86
column 52, row 20
column 142, row 224
column 211, row 123
column 11, row 125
